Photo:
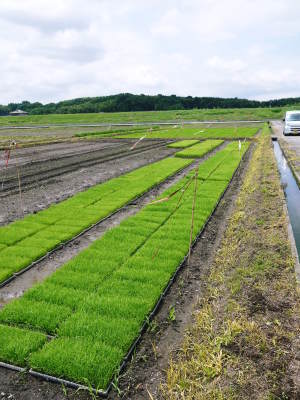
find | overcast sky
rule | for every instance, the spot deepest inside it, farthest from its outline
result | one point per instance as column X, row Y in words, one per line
column 52, row 50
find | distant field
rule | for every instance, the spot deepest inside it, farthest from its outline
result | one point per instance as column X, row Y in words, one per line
column 231, row 114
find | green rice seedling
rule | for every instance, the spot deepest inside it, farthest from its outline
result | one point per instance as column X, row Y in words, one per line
column 50, row 293
column 34, row 314
column 183, row 144
column 200, row 149
column 30, row 226
column 16, row 344
column 196, row 133
column 12, row 262
column 82, row 360
column 78, row 222
column 211, row 189
column 59, row 232
column 90, row 266
column 138, row 274
column 69, row 231
column 44, row 218
column 115, row 332
column 130, row 289
column 5, row 273
column 2, row 247
column 80, row 280
column 114, row 306
column 30, row 253
column 39, row 242
column 10, row 234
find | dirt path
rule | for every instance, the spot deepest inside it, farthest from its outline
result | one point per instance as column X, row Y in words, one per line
column 106, row 164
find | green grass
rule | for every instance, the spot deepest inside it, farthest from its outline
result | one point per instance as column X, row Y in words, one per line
column 200, row 149
column 27, row 240
column 97, row 302
column 152, row 116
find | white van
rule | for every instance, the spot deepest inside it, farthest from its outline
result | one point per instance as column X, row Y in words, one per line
column 292, row 123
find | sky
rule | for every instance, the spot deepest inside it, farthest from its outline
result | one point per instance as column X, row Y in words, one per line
column 52, row 50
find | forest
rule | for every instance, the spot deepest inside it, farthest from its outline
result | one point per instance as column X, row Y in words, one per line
column 131, row 102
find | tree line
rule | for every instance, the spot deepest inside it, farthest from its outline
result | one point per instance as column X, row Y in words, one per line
column 132, row 102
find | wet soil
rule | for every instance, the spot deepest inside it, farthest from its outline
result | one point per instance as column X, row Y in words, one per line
column 73, row 173
column 145, row 372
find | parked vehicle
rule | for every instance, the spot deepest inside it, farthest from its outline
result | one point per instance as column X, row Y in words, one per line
column 292, row 123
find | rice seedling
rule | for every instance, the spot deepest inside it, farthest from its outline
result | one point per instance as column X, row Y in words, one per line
column 200, row 149
column 77, row 358
column 196, row 133
column 183, row 144
column 16, row 344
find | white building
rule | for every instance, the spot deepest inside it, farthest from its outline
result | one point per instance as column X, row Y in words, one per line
column 18, row 113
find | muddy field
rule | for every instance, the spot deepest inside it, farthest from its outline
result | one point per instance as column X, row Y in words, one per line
column 144, row 373
column 53, row 172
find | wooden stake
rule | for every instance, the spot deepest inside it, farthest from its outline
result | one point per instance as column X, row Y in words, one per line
column 20, row 191
column 193, row 212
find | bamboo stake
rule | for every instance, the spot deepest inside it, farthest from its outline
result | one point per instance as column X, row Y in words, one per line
column 193, row 213
column 19, row 182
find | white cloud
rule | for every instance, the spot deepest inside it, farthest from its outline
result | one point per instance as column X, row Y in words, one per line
column 52, row 50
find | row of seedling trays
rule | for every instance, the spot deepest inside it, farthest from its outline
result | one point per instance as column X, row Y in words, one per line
column 95, row 306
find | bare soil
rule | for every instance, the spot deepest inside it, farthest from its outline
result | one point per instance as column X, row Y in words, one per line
column 144, row 373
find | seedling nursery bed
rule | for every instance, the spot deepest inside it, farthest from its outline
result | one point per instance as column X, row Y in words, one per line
column 60, row 216
column 215, row 172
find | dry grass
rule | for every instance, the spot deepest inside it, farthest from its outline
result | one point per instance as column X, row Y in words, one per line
column 242, row 343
